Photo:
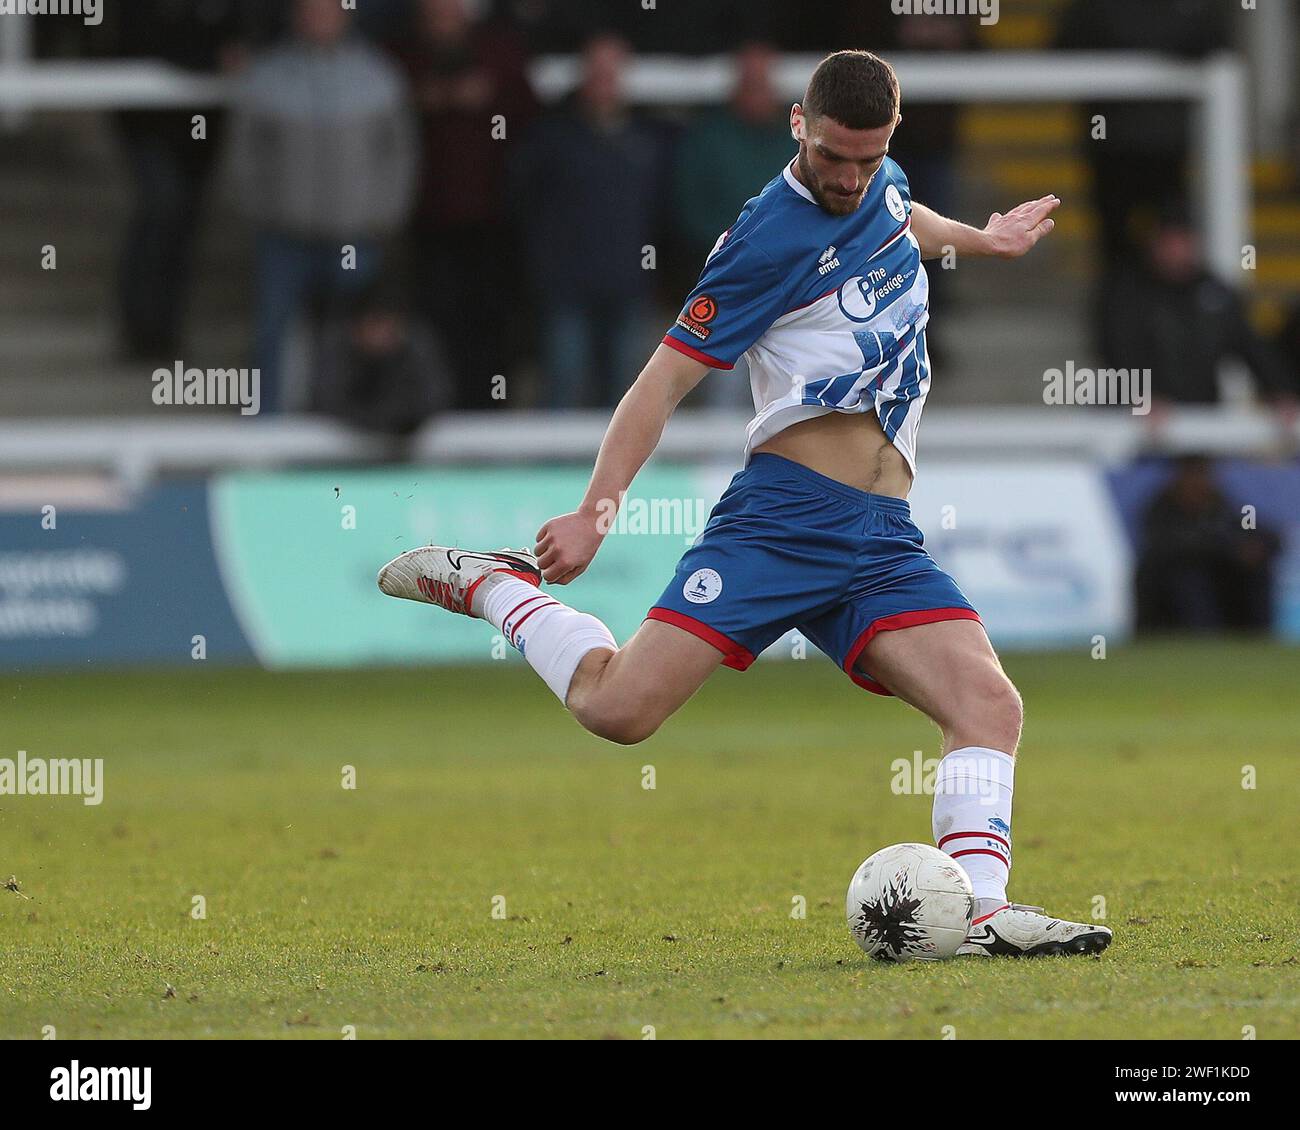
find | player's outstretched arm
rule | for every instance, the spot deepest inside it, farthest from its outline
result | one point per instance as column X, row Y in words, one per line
column 1005, row 236
column 566, row 544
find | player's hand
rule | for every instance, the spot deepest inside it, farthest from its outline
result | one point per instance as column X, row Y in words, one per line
column 1014, row 233
column 566, row 545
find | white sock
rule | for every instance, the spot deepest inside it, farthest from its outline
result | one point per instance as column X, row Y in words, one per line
column 552, row 636
column 972, row 816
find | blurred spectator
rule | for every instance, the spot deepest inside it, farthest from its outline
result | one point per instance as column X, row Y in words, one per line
column 1143, row 159
column 726, row 156
column 463, row 75
column 729, row 153
column 381, row 369
column 383, row 20
column 669, row 27
column 1288, row 347
column 1198, row 568
column 1169, row 314
column 925, row 143
column 589, row 185
column 170, row 167
column 324, row 149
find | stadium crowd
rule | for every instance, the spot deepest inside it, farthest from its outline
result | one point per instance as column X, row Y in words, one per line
column 490, row 234
column 427, row 232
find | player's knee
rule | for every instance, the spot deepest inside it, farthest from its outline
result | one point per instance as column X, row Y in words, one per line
column 623, row 728
column 1004, row 714
column 989, row 713
column 616, row 720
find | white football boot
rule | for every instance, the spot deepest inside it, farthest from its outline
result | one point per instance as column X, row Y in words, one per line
column 1025, row 931
column 449, row 577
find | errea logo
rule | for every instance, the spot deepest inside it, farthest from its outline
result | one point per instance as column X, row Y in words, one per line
column 827, row 262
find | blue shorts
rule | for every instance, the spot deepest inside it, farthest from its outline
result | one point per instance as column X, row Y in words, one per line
column 787, row 547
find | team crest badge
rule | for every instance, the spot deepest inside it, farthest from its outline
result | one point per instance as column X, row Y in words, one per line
column 703, row 586
column 894, row 202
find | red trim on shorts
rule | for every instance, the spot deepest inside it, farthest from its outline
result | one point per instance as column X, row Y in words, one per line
column 893, row 624
column 695, row 354
column 737, row 658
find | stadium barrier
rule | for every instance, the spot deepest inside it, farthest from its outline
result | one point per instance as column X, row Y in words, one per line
column 138, row 448
column 278, row 567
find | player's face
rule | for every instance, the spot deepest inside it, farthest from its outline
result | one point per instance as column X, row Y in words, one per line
column 837, row 164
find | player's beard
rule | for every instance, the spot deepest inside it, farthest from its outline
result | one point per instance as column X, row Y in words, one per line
column 836, row 203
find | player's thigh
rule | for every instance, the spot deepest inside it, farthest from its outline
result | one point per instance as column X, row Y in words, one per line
column 644, row 682
column 947, row 670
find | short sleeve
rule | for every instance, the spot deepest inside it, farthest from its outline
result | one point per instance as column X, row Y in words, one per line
column 898, row 191
column 738, row 297
column 899, row 177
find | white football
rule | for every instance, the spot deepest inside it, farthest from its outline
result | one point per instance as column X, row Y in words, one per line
column 910, row 902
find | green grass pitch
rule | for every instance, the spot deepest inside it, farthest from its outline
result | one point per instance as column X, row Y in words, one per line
column 629, row 909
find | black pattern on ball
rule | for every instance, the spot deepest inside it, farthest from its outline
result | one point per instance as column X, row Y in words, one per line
column 890, row 922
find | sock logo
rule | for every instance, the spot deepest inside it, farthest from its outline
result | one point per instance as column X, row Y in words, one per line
column 703, row 586
column 1001, row 826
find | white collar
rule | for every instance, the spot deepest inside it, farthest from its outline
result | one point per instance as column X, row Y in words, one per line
column 794, row 183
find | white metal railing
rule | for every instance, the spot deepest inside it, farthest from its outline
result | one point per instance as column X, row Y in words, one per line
column 140, row 447
column 1216, row 87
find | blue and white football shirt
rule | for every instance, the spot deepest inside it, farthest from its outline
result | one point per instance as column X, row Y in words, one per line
column 830, row 311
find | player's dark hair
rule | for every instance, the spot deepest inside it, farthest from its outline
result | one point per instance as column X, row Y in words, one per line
column 855, row 88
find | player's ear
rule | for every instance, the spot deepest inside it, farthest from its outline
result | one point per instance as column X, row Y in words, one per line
column 797, row 122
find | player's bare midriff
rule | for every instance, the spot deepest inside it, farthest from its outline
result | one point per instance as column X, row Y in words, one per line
column 847, row 447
